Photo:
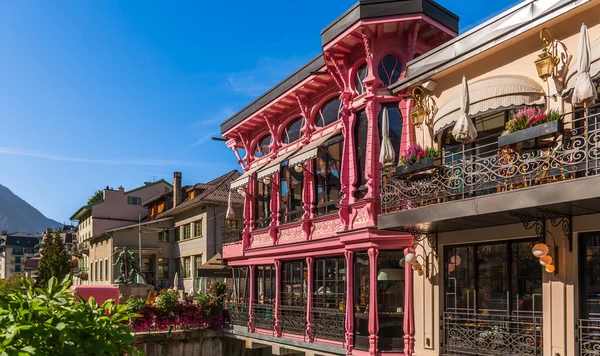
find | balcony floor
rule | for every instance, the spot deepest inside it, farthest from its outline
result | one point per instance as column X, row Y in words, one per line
column 571, row 197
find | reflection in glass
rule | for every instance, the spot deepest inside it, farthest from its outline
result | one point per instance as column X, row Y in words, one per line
column 330, row 283
column 361, row 131
column 291, row 193
column 361, row 301
column 262, row 147
column 589, row 257
column 329, row 113
column 359, row 77
column 389, row 69
column 263, row 204
column 390, row 300
column 395, row 122
column 293, row 131
column 327, row 176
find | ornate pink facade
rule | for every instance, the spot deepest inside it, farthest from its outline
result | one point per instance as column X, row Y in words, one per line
column 382, row 46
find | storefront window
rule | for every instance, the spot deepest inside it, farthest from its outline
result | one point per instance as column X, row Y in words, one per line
column 361, row 131
column 262, row 147
column 390, row 300
column 294, row 283
column 327, row 176
column 329, row 113
column 361, row 300
column 239, row 292
column 589, row 257
column 265, row 284
column 291, row 193
column 501, row 279
column 263, row 204
column 293, row 130
column 330, row 283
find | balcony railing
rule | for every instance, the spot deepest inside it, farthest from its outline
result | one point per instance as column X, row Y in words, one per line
column 589, row 337
column 238, row 313
column 293, row 319
column 263, row 316
column 231, row 236
column 471, row 170
column 329, row 323
column 488, row 334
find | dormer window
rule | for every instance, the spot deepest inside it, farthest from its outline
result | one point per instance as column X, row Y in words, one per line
column 293, row 130
column 389, row 69
column 329, row 113
column 262, row 147
column 359, row 77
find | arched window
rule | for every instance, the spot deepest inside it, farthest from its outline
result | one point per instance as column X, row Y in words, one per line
column 389, row 69
column 359, row 77
column 329, row 112
column 292, row 130
column 262, row 147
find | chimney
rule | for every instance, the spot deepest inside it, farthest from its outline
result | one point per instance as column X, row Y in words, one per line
column 176, row 188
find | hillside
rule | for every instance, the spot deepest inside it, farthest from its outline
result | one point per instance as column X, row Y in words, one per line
column 16, row 215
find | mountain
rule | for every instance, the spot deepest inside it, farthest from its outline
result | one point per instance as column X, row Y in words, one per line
column 16, row 215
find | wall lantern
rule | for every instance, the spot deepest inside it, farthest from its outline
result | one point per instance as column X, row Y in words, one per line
column 426, row 268
column 546, row 254
column 421, row 110
column 299, row 168
column 547, row 60
column 241, row 192
column 267, row 180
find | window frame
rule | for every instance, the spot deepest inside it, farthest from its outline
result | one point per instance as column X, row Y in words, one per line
column 320, row 279
column 398, row 66
column 287, row 215
column 357, row 79
column 264, row 195
column 258, row 153
column 360, row 155
column 329, row 206
column 197, row 228
column 285, row 134
column 320, row 117
column 187, row 231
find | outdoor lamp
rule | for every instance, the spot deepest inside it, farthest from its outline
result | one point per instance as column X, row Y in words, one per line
column 455, row 260
column 546, row 61
column 540, row 250
column 416, row 266
column 267, row 180
column 420, row 272
column 550, row 268
column 546, row 260
column 451, row 267
column 299, row 168
column 241, row 192
column 420, row 111
column 410, row 258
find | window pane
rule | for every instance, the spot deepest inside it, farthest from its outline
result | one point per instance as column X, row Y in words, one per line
column 263, row 205
column 292, row 131
column 389, row 69
column 359, row 77
column 492, row 280
column 329, row 113
column 360, row 137
column 262, row 148
column 327, row 177
column 526, row 278
column 395, row 122
column 390, row 300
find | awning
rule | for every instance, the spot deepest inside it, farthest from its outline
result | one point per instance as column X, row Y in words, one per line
column 498, row 92
column 214, row 268
column 309, row 151
column 242, row 181
column 273, row 166
column 594, row 68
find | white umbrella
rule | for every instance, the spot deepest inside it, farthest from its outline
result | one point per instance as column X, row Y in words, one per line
column 230, row 213
column 584, row 92
column 175, row 281
column 192, row 292
column 387, row 153
column 464, row 130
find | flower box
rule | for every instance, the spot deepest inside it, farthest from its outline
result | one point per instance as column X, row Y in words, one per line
column 422, row 165
column 547, row 129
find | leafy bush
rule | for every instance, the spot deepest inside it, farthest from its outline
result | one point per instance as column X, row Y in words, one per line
column 11, row 285
column 51, row 321
column 167, row 300
column 218, row 291
column 135, row 304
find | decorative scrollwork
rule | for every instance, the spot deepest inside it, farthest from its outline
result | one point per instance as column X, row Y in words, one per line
column 429, row 236
column 485, row 334
column 238, row 313
column 329, row 323
column 530, row 222
column 293, row 319
column 263, row 316
column 562, row 220
column 589, row 337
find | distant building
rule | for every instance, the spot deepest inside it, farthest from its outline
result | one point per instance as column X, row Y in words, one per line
column 15, row 249
column 111, row 210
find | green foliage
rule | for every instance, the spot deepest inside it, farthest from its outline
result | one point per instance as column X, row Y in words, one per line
column 218, row 291
column 11, row 285
column 55, row 261
column 51, row 321
column 431, row 152
column 167, row 300
column 97, row 197
column 135, row 304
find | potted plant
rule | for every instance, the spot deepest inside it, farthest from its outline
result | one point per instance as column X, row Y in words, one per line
column 416, row 159
column 530, row 123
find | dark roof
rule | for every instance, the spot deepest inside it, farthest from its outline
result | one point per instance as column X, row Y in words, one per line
column 157, row 197
column 364, row 9
column 149, row 184
column 215, row 191
column 22, row 240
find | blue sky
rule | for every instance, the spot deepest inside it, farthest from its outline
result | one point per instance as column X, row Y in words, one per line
column 97, row 93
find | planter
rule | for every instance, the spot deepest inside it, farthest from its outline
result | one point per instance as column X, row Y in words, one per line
column 423, row 165
column 551, row 128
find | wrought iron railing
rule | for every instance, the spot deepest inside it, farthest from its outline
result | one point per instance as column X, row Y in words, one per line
column 589, row 337
column 238, row 313
column 477, row 169
column 486, row 334
column 328, row 323
column 292, row 319
column 263, row 316
column 231, row 236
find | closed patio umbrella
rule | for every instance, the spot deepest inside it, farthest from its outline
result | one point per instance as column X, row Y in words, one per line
column 387, row 153
column 584, row 92
column 176, row 281
column 230, row 213
column 464, row 130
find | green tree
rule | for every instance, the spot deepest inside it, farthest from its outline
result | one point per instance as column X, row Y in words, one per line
column 55, row 260
column 97, row 197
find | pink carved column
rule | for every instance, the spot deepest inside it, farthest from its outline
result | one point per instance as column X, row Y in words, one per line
column 309, row 300
column 373, row 310
column 349, row 301
column 308, row 198
column 252, row 297
column 249, row 210
column 409, row 313
column 277, row 297
column 347, row 175
column 372, row 155
column 408, row 131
